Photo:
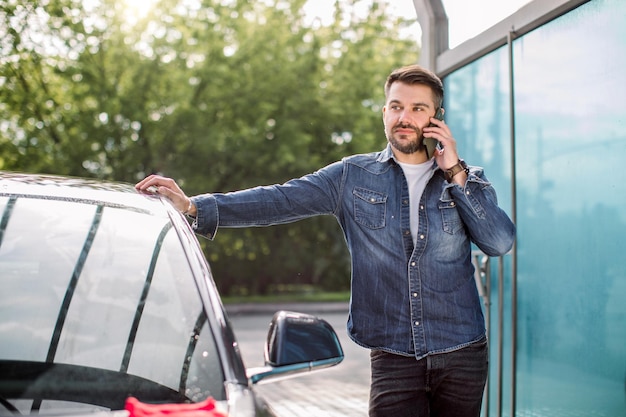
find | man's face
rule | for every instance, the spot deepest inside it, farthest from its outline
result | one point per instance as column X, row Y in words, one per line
column 407, row 111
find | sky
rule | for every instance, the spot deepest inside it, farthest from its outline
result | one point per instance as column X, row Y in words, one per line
column 466, row 18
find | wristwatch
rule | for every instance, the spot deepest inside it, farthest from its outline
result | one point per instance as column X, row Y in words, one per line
column 455, row 169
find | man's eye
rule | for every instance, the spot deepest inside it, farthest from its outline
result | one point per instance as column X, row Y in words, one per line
column 395, row 107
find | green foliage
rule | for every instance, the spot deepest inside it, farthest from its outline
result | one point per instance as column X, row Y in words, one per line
column 219, row 94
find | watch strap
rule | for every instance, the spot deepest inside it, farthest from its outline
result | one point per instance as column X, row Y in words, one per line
column 455, row 169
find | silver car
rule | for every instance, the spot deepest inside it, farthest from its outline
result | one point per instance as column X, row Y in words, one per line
column 105, row 295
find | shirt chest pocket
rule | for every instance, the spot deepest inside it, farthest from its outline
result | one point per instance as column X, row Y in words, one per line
column 369, row 208
column 450, row 218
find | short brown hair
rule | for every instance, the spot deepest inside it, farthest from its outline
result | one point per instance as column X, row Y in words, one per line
column 416, row 74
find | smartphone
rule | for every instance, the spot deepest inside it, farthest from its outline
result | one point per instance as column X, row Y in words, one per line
column 431, row 143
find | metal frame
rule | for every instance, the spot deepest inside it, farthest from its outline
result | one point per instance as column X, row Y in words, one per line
column 433, row 20
column 514, row 249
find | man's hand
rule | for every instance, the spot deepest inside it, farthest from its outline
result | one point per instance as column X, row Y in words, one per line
column 168, row 188
column 448, row 156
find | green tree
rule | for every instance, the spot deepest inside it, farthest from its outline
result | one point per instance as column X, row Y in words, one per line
column 220, row 95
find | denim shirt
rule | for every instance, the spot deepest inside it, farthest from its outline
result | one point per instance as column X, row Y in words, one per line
column 412, row 300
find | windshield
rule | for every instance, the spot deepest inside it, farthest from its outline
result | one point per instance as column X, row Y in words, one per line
column 98, row 303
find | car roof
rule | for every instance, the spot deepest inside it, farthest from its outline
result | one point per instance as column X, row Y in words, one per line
column 109, row 193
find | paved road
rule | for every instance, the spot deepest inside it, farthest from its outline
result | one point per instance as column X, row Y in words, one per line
column 341, row 391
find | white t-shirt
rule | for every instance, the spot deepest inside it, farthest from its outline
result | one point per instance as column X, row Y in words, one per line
column 417, row 175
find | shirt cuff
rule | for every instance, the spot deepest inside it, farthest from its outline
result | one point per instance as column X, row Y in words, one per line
column 207, row 216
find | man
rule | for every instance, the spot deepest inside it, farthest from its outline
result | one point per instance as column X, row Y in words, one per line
column 408, row 221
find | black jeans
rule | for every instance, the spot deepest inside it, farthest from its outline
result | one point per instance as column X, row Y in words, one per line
column 443, row 385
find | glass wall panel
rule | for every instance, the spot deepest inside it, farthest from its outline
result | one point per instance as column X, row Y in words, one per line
column 477, row 111
column 570, row 80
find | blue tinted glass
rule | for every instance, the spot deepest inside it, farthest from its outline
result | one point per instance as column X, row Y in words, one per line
column 570, row 135
column 477, row 110
column 570, row 80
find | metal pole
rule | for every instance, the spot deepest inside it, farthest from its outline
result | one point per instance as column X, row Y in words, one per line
column 510, row 38
column 500, row 335
column 487, row 269
column 433, row 21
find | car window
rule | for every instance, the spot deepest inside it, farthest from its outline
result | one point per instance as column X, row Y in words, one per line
column 105, row 293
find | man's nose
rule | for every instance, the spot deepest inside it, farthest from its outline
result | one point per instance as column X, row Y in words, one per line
column 404, row 117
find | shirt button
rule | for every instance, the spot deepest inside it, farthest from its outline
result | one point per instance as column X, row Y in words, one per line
column 407, row 232
column 405, row 202
column 467, row 192
column 452, row 204
column 373, row 200
column 414, row 295
column 412, row 263
column 417, row 323
column 422, row 236
column 421, row 207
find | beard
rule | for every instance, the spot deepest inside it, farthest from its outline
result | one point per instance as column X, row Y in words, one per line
column 407, row 146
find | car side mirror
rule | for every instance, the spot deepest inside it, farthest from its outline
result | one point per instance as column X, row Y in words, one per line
column 297, row 343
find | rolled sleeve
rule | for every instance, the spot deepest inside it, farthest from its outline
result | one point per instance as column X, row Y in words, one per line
column 207, row 216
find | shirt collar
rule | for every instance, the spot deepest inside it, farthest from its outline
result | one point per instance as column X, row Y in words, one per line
column 386, row 154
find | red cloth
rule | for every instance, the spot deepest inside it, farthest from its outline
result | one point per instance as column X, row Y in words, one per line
column 202, row 409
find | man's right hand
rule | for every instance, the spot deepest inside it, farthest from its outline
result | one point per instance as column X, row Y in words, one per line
column 168, row 188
